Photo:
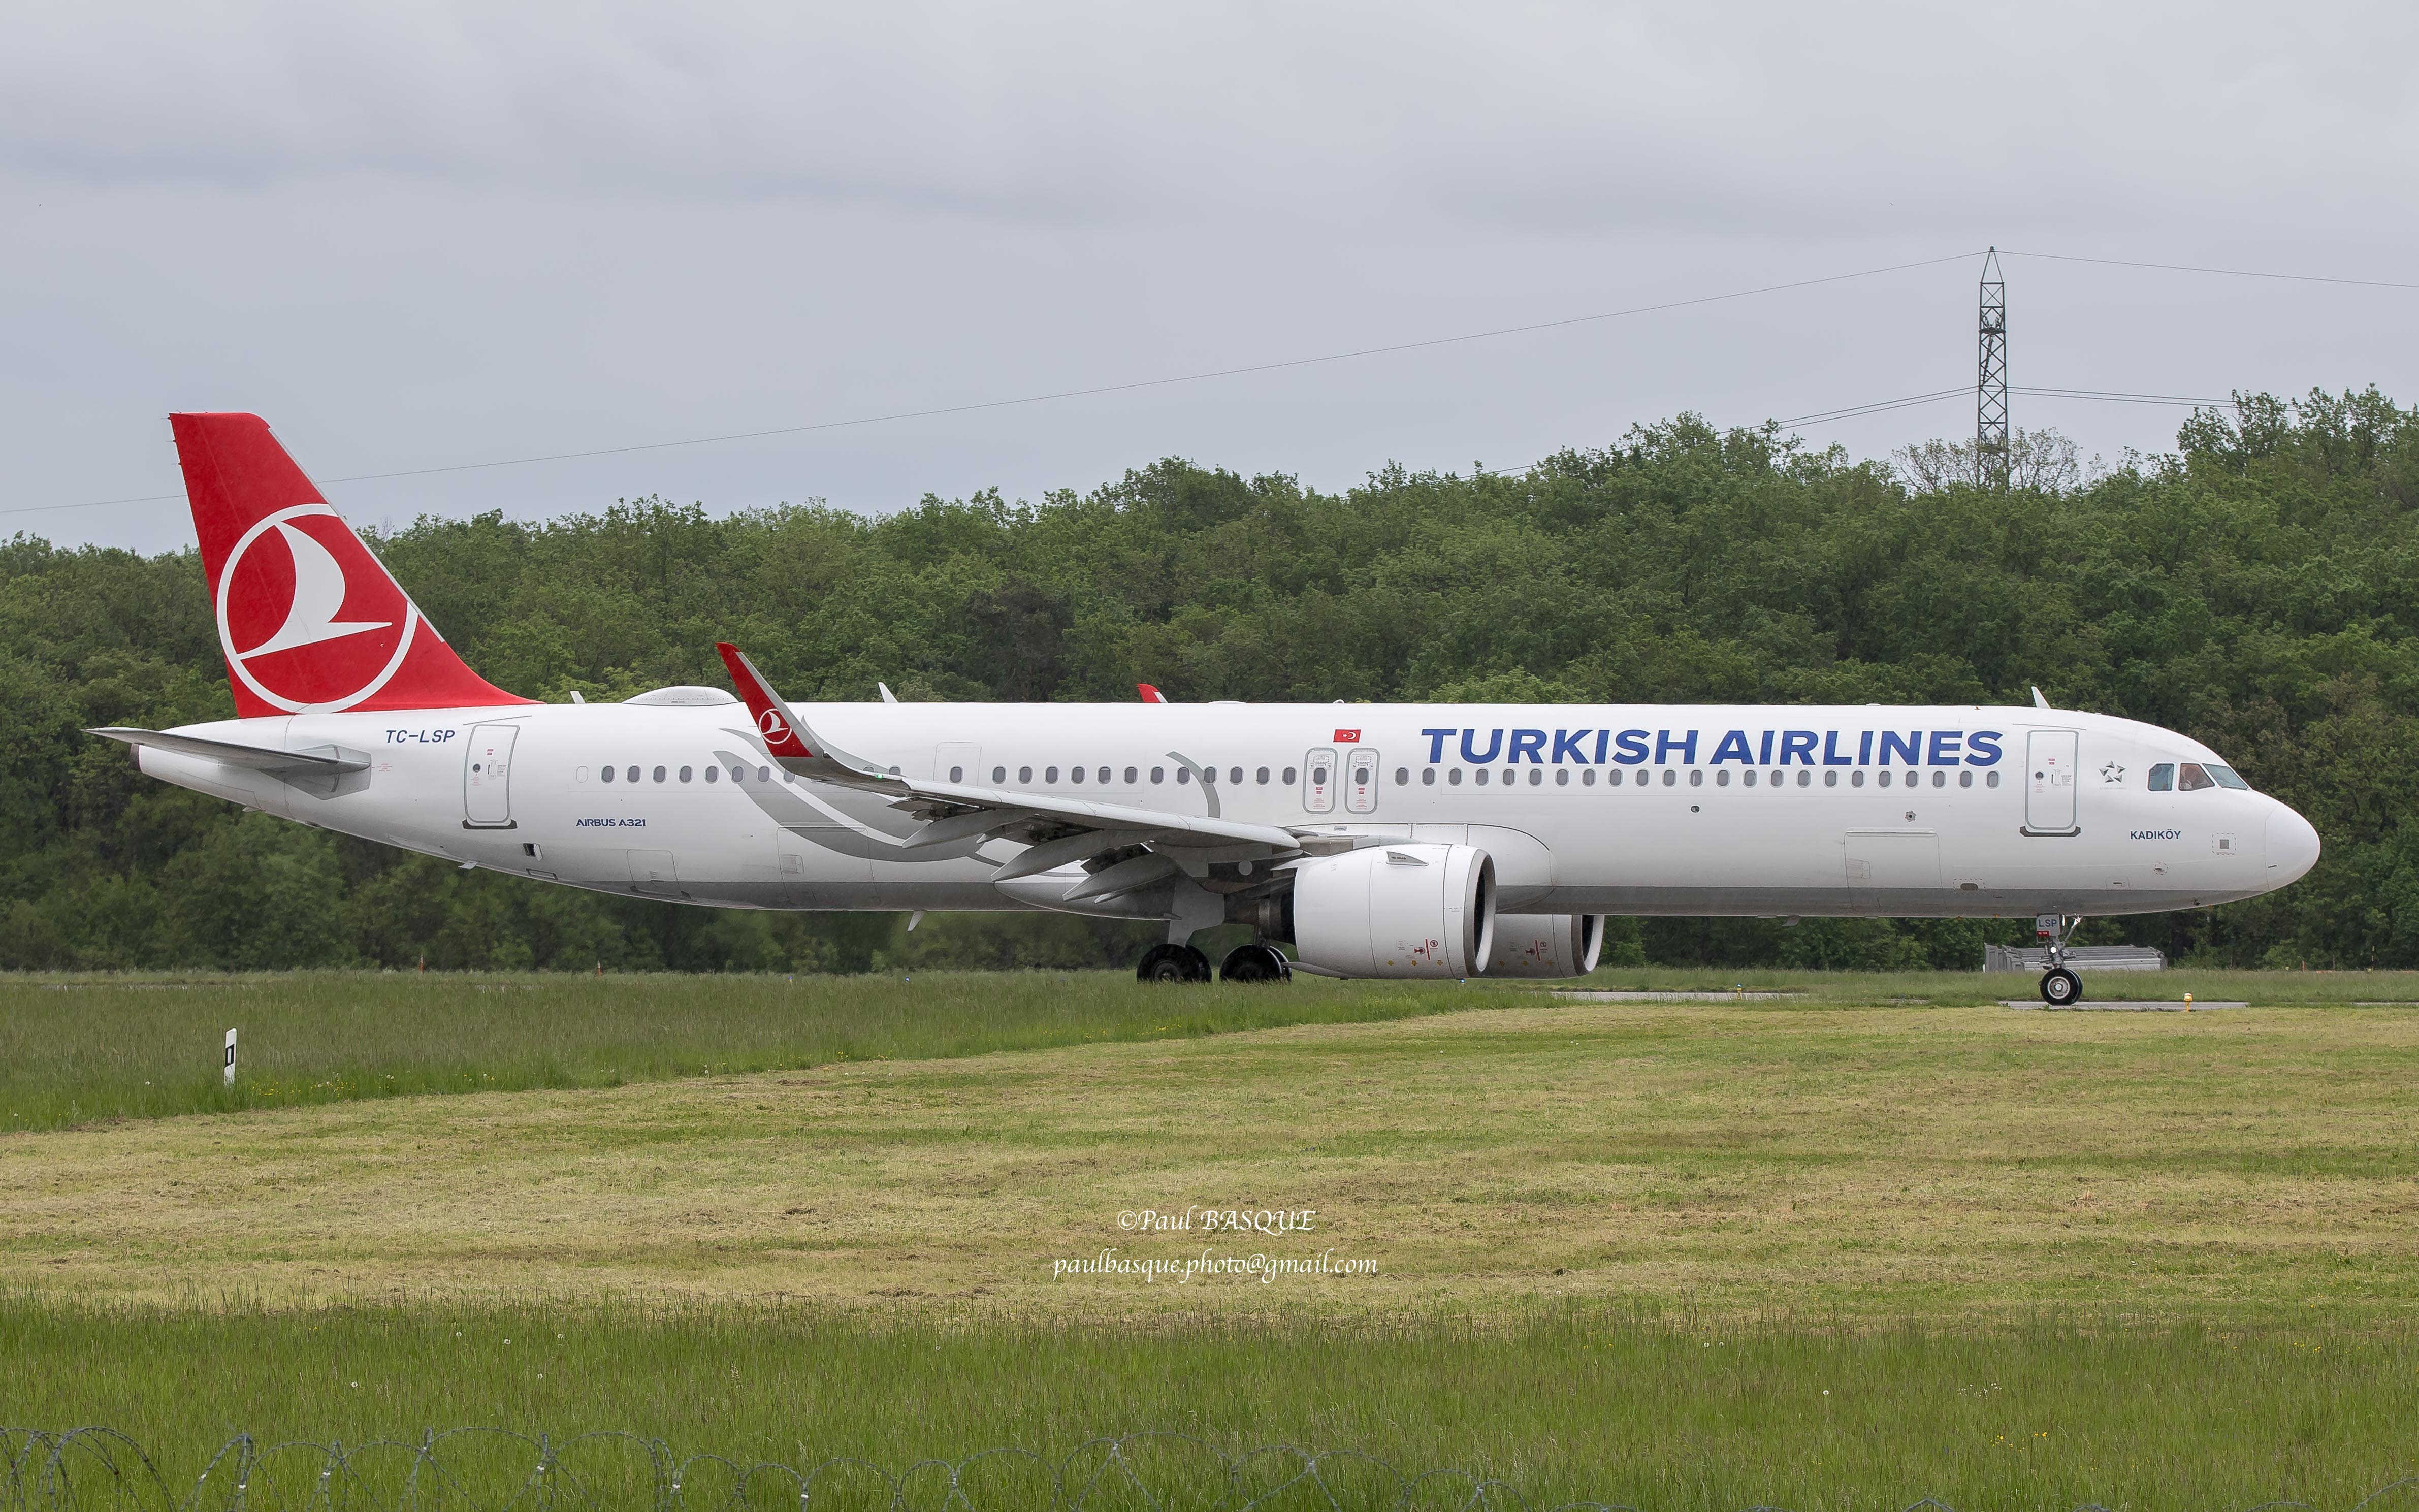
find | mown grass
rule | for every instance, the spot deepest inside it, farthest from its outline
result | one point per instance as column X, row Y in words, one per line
column 75, row 1049
column 1563, row 1402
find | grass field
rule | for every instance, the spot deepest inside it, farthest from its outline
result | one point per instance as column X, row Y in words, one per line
column 1621, row 1250
column 76, row 1049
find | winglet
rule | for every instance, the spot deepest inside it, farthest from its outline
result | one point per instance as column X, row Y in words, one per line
column 774, row 720
column 2038, row 702
column 789, row 739
column 1151, row 694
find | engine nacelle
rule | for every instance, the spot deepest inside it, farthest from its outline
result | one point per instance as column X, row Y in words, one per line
column 1404, row 910
column 1546, row 945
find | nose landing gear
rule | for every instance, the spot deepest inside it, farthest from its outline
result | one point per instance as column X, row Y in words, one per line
column 2060, row 986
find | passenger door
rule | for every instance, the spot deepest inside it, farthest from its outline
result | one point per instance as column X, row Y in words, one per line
column 487, row 776
column 2050, row 761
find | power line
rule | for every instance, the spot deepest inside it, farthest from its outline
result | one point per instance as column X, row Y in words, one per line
column 1087, row 393
column 2226, row 272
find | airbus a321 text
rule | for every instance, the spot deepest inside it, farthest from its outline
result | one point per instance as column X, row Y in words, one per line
column 1447, row 840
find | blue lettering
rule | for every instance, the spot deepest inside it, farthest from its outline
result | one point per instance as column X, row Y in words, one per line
column 1601, row 736
column 1765, row 758
column 1529, row 742
column 1983, row 748
column 1797, row 743
column 1665, row 745
column 1911, row 747
column 1566, row 742
column 1944, row 748
column 1865, row 748
column 1493, row 747
column 1633, row 747
column 1733, row 748
column 1831, row 756
column 1436, row 743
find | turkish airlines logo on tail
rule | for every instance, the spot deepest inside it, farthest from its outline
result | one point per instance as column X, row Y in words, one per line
column 775, row 727
column 308, row 619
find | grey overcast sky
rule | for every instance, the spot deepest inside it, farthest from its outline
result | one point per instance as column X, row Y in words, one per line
column 422, row 234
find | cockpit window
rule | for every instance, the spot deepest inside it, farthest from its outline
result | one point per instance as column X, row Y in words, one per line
column 2191, row 778
column 2162, row 778
column 2227, row 778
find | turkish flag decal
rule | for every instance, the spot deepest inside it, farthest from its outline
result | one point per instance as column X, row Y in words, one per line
column 1348, row 737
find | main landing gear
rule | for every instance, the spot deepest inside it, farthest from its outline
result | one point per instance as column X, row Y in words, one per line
column 1256, row 963
column 2060, row 986
column 1173, row 963
column 1244, row 963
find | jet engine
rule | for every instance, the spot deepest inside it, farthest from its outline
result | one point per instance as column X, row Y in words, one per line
column 1405, row 910
column 1545, row 945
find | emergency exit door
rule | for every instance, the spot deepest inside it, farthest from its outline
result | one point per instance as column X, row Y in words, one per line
column 487, row 776
column 2050, row 764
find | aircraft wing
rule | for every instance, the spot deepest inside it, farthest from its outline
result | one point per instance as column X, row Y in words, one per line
column 1112, row 839
column 320, row 760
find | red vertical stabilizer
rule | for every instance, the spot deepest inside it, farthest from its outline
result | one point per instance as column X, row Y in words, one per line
column 309, row 621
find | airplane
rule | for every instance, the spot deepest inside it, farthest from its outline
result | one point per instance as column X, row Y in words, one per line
column 1364, row 841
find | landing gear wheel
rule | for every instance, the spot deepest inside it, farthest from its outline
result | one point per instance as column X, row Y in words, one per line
column 2060, row 987
column 1256, row 963
column 1173, row 963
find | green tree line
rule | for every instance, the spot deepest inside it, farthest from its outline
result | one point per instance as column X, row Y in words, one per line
column 2258, row 588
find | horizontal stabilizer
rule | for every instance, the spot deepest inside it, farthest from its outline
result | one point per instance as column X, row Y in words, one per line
column 320, row 760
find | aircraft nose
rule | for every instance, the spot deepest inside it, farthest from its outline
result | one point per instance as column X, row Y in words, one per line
column 2292, row 846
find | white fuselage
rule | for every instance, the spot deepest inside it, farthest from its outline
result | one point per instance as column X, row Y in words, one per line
column 1946, row 812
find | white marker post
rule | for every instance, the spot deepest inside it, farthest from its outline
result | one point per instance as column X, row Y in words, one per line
column 230, row 1075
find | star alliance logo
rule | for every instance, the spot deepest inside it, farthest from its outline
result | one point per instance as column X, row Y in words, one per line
column 2112, row 774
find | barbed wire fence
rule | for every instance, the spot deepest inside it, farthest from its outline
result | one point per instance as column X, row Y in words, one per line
column 494, row 1470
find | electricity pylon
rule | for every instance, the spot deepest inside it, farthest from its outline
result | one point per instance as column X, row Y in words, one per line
column 1991, row 381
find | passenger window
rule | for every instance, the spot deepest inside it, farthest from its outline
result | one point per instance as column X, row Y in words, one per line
column 1159, row 774
column 1478, row 774
column 2227, row 778
column 1991, row 780
column 1402, row 777
column 739, row 774
column 1748, row 778
column 1723, row 777
column 957, row 774
column 1454, row 777
column 1670, row 776
column 764, row 774
column 1536, row 777
column 2162, row 778
column 632, row 774
column 608, row 774
column 1050, row 774
column 1965, row 778
column 2191, row 779
column 1025, row 774
column 1830, row 780
column 1235, row 774
column 1612, row 777
column 659, row 773
column 688, row 773
column 1940, row 780
column 1587, row 778
column 1104, row 775
column 713, row 774
column 1074, row 774
column 1288, row 777
column 1184, row 776
column 1262, row 777
column 1561, row 777
column 1805, row 778
column 1427, row 776
column 999, row 774
column 1132, row 777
